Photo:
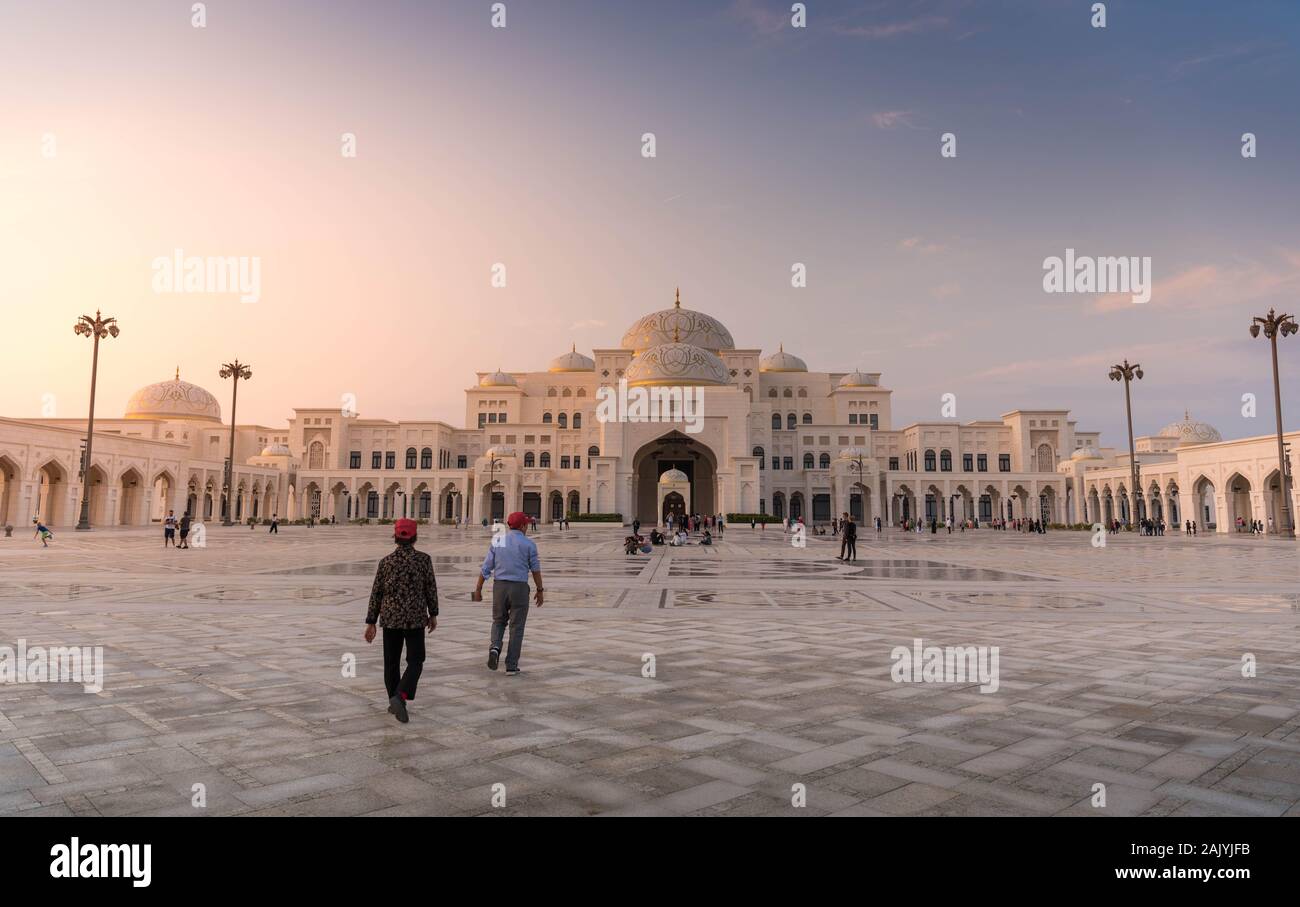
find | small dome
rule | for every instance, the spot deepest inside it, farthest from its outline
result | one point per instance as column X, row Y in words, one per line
column 175, row 399
column 673, row 475
column 684, row 325
column 498, row 379
column 1189, row 431
column 276, row 450
column 852, row 453
column 572, row 361
column 1088, row 452
column 500, row 452
column 781, row 361
column 856, row 378
column 675, row 364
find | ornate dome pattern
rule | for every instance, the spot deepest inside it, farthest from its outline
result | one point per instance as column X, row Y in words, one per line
column 572, row 361
column 1087, row 452
column 175, row 399
column 856, row 378
column 673, row 475
column 781, row 361
column 1189, row 431
column 498, row 379
column 276, row 450
column 694, row 328
column 675, row 363
column 499, row 452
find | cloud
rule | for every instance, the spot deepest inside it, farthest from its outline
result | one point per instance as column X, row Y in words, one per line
column 917, row 244
column 889, row 119
column 757, row 18
column 892, row 29
column 1213, row 285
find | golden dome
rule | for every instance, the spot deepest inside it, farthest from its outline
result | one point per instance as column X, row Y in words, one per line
column 694, row 328
column 174, row 400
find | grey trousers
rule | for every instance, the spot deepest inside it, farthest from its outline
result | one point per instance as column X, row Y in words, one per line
column 509, row 606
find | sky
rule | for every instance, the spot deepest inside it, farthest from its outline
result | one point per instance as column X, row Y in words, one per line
column 127, row 133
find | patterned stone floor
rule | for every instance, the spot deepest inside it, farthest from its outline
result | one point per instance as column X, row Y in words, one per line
column 1119, row 666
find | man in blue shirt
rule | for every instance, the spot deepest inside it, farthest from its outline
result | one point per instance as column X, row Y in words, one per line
column 511, row 557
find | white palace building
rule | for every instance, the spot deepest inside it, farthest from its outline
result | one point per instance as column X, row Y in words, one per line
column 771, row 437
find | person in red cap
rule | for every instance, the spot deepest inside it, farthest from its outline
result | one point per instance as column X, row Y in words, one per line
column 404, row 600
column 511, row 557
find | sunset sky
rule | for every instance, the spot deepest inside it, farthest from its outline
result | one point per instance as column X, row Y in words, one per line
column 775, row 145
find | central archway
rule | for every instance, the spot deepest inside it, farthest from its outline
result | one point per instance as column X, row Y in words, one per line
column 674, row 450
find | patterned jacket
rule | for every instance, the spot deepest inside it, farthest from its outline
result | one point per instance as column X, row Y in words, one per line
column 405, row 594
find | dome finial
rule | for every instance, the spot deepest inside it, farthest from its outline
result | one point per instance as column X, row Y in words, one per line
column 178, row 373
column 781, row 346
column 677, row 301
column 1187, row 414
column 574, row 347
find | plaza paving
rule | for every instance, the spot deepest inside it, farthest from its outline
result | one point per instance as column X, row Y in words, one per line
column 1119, row 665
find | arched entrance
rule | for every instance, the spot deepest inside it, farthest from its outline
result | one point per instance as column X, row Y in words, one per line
column 673, row 450
column 8, row 490
column 674, row 505
column 129, row 498
column 51, row 495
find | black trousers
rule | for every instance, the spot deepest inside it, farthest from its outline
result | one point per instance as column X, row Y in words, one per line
column 394, row 680
column 849, row 545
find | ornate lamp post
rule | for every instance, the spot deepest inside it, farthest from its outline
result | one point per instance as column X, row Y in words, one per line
column 1274, row 324
column 1126, row 373
column 857, row 466
column 236, row 370
column 97, row 328
column 492, row 480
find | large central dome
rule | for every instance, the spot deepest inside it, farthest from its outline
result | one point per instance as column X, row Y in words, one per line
column 174, row 399
column 678, row 325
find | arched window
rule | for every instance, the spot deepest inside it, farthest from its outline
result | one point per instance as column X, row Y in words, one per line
column 787, row 393
column 929, row 460
column 1046, row 462
column 945, row 461
column 771, row 392
column 790, row 422
column 807, row 461
column 426, row 458
column 568, row 392
column 410, row 458
column 562, row 420
column 546, row 418
column 529, row 460
column 826, row 461
column 776, row 421
column 577, row 420
column 758, row 452
column 546, row 459
column 803, row 392
column 593, row 451
column 315, row 455
column 582, row 392
column 551, row 392
column 807, row 418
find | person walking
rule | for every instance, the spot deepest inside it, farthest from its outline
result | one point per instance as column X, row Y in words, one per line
column 169, row 529
column 849, row 531
column 43, row 531
column 511, row 557
column 404, row 601
column 844, row 539
column 275, row 525
column 185, row 530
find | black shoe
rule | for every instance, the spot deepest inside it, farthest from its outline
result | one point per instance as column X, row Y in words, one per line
column 494, row 656
column 513, row 672
column 397, row 705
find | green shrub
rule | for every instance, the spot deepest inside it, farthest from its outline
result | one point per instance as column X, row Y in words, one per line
column 752, row 517
column 594, row 517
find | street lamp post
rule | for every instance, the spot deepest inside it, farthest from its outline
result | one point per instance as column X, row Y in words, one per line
column 861, row 497
column 236, row 370
column 1126, row 373
column 492, row 480
column 96, row 328
column 1274, row 324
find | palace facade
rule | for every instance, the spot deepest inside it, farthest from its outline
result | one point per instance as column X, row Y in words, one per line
column 770, row 437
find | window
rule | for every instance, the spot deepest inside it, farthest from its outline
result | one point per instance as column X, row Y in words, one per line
column 807, row 461
column 376, row 460
column 771, row 392
column 807, row 418
column 787, row 463
column 316, row 456
column 354, row 460
column 390, row 459
column 593, row 451
column 790, row 422
column 492, row 418
column 564, row 462
column 825, row 461
column 545, row 459
column 1004, row 462
column 893, row 462
column 776, row 462
column 853, row 418
column 758, row 452
column 929, row 461
column 562, row 420
column 482, row 419
column 410, row 458
column 529, row 460
column 983, row 462
column 577, row 462
column 945, row 461
column 462, row 461
column 426, row 458
column 875, row 421
column 546, row 418
column 502, row 419
column 776, row 421
column 967, row 462
column 577, row 420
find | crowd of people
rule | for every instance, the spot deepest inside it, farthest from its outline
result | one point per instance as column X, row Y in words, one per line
column 680, row 529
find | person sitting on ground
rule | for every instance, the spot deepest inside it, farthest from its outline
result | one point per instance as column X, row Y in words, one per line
column 632, row 544
column 708, row 538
